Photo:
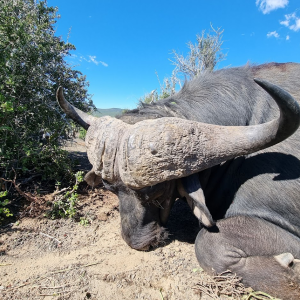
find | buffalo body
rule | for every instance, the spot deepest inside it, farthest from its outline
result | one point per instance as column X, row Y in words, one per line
column 248, row 200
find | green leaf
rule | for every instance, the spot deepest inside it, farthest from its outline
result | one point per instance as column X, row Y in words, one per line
column 5, row 128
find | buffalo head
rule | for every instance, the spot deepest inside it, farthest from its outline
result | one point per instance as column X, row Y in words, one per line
column 146, row 163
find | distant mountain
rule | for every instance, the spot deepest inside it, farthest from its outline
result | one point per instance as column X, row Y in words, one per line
column 112, row 112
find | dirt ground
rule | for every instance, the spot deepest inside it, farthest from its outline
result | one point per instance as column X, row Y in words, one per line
column 62, row 259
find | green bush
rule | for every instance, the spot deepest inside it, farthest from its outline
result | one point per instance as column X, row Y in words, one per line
column 49, row 160
column 4, row 211
column 82, row 133
column 65, row 206
column 32, row 66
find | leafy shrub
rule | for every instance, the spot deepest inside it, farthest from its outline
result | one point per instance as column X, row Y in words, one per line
column 49, row 160
column 32, row 66
column 4, row 211
column 65, row 206
column 84, row 221
column 82, row 133
column 204, row 55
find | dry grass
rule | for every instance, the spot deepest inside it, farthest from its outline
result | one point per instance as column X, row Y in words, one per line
column 227, row 286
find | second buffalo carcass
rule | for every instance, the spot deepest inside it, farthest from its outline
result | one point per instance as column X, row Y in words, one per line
column 224, row 144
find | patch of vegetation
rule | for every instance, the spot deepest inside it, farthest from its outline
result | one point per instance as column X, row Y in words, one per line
column 84, row 221
column 4, row 211
column 82, row 133
column 65, row 205
column 227, row 285
column 50, row 161
column 32, row 67
column 204, row 55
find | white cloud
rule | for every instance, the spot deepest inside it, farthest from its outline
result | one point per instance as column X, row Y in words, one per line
column 287, row 37
column 267, row 6
column 93, row 59
column 103, row 63
column 285, row 23
column 273, row 33
column 296, row 26
column 89, row 59
column 291, row 21
column 96, row 62
column 287, row 20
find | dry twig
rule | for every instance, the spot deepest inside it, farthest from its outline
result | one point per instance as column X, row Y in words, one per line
column 225, row 283
column 55, row 272
column 51, row 237
column 56, row 293
column 28, row 196
column 259, row 296
column 69, row 269
column 53, row 287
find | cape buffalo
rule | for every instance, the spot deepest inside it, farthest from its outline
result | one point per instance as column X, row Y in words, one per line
column 224, row 144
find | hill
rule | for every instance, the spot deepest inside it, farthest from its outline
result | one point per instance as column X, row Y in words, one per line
column 112, row 112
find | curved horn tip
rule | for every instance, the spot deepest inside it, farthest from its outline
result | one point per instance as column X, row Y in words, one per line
column 257, row 79
column 60, row 92
column 263, row 83
column 80, row 117
column 269, row 87
column 277, row 92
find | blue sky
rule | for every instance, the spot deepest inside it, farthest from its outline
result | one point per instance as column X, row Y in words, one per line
column 121, row 44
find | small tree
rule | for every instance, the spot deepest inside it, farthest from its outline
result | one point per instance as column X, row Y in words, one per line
column 202, row 56
column 32, row 66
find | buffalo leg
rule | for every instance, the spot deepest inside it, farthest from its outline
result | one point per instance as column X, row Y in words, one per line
column 263, row 254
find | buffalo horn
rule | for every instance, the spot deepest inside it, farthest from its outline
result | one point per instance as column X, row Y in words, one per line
column 153, row 151
column 80, row 117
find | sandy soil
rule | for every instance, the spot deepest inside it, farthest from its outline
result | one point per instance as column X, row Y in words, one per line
column 62, row 259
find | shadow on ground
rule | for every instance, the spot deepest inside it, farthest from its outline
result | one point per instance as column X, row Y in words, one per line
column 182, row 224
column 81, row 161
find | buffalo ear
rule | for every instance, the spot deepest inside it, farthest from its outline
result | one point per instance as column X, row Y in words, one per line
column 190, row 188
column 92, row 179
column 285, row 259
